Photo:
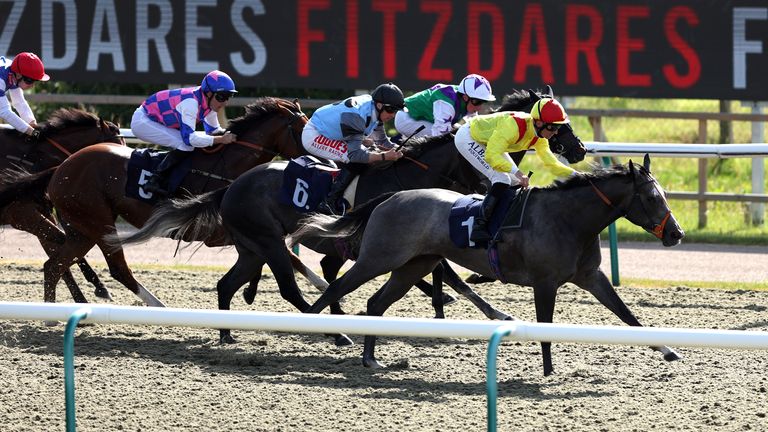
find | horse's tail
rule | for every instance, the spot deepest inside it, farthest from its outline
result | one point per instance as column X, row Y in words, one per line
column 17, row 184
column 192, row 219
column 351, row 224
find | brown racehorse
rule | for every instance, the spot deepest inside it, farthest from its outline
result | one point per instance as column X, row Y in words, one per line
column 65, row 132
column 88, row 189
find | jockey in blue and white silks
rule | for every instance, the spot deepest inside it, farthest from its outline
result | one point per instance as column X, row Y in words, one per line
column 16, row 76
column 345, row 131
column 441, row 106
column 352, row 132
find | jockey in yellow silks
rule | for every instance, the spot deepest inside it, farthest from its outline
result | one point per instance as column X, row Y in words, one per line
column 486, row 140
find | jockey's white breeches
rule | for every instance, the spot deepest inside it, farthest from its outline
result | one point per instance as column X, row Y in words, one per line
column 153, row 132
column 318, row 145
column 407, row 125
column 474, row 152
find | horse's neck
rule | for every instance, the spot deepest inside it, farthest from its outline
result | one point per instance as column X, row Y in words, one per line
column 408, row 174
column 581, row 208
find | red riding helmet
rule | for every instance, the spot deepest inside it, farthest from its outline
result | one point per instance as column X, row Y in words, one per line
column 30, row 66
column 549, row 110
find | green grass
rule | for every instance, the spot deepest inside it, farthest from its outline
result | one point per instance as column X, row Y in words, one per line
column 727, row 222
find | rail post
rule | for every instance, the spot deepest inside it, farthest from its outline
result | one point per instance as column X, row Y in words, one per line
column 69, row 366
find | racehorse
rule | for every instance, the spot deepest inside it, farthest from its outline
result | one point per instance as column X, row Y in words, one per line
column 66, row 131
column 257, row 223
column 558, row 242
column 88, row 189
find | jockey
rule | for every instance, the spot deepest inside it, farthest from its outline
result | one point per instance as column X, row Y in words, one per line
column 352, row 132
column 169, row 118
column 440, row 106
column 486, row 140
column 16, row 76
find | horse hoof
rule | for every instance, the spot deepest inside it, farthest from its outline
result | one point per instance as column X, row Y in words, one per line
column 671, row 356
column 343, row 340
column 227, row 340
column 51, row 323
column 103, row 294
column 372, row 363
column 475, row 278
column 249, row 295
column 449, row 299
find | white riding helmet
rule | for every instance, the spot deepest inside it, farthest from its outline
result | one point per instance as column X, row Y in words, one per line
column 477, row 87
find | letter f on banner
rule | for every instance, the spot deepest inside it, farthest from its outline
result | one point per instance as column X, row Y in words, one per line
column 742, row 46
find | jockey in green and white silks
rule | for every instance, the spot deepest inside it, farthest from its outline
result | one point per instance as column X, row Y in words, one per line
column 439, row 107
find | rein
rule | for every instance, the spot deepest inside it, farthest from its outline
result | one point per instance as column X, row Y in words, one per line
column 656, row 229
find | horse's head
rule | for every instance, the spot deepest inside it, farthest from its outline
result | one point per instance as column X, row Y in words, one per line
column 565, row 142
column 648, row 207
column 70, row 129
column 272, row 127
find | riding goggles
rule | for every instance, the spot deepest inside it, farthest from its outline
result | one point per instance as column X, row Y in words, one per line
column 552, row 127
column 476, row 102
column 223, row 96
column 28, row 80
column 390, row 108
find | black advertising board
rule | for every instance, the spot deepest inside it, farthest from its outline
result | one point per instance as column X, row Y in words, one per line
column 663, row 48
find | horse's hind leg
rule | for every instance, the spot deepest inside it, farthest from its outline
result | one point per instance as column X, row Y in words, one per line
column 596, row 282
column 454, row 281
column 278, row 259
column 331, row 266
column 247, row 266
column 91, row 276
column 399, row 283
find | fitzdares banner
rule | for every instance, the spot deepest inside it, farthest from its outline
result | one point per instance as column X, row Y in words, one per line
column 640, row 48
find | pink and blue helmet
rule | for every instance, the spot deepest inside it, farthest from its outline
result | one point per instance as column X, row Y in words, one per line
column 218, row 82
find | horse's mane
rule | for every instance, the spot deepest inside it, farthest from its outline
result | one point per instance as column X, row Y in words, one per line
column 584, row 179
column 417, row 146
column 517, row 100
column 64, row 118
column 263, row 107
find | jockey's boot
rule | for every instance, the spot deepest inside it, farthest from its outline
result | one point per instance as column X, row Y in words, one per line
column 480, row 234
column 156, row 183
column 330, row 204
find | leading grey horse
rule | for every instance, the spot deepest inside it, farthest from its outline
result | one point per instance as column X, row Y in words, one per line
column 558, row 242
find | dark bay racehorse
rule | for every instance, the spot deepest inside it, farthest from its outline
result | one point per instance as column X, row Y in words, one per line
column 557, row 243
column 65, row 132
column 257, row 222
column 88, row 189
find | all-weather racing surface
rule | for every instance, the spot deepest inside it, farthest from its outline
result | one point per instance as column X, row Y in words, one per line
column 178, row 379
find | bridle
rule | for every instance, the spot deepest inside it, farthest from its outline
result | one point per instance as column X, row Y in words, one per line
column 260, row 148
column 655, row 229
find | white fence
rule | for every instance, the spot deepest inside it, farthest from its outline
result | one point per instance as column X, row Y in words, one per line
column 383, row 326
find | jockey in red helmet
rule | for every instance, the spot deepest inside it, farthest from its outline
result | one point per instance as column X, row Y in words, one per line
column 16, row 76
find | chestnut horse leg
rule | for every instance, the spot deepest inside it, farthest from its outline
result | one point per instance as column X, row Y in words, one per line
column 78, row 244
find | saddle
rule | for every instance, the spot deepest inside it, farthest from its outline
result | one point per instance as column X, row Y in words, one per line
column 508, row 215
column 306, row 182
column 142, row 164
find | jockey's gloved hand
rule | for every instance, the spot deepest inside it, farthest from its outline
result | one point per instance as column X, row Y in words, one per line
column 33, row 136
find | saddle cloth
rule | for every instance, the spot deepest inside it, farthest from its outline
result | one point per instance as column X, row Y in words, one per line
column 508, row 214
column 306, row 182
column 142, row 164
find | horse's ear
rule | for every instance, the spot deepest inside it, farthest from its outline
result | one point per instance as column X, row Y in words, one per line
column 631, row 167
column 550, row 92
column 296, row 101
column 534, row 96
column 647, row 162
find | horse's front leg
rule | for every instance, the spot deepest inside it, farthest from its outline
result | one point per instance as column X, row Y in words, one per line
column 597, row 283
column 544, row 294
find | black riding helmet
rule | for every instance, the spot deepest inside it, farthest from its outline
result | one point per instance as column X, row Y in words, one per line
column 389, row 94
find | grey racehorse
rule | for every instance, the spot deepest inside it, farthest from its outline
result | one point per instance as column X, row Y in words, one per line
column 558, row 242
